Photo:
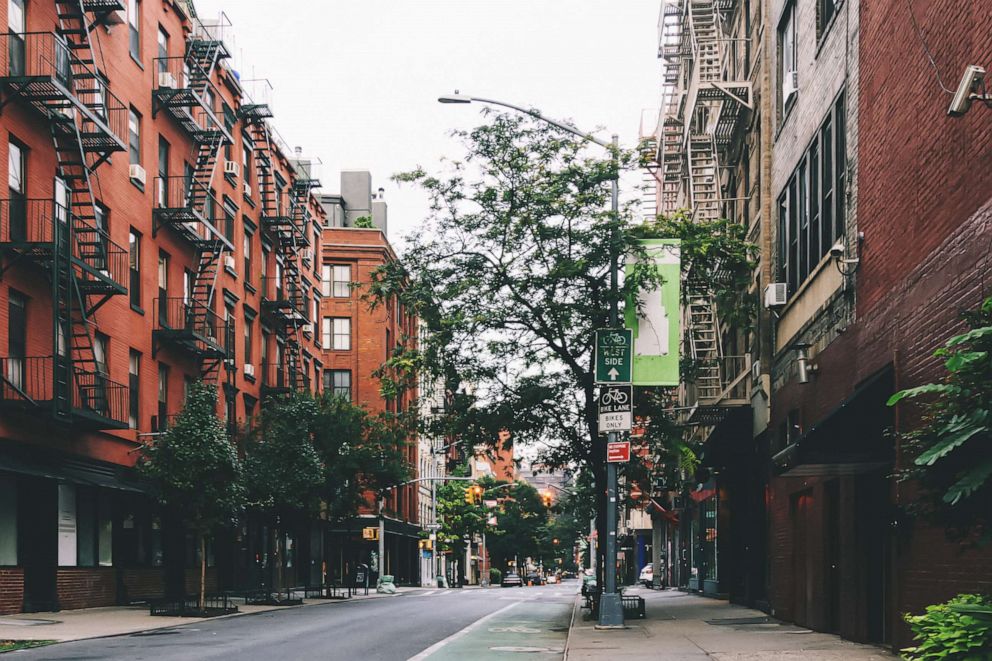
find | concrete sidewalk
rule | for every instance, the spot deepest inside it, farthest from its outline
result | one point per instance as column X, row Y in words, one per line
column 120, row 620
column 683, row 627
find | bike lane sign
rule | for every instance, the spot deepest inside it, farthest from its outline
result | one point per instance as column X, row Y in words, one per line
column 616, row 406
column 614, row 353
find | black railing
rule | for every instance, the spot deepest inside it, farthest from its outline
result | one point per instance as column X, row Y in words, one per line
column 189, row 207
column 192, row 320
column 279, row 376
column 24, row 220
column 100, row 257
column 96, row 396
column 26, row 380
column 200, row 109
column 46, row 57
column 284, row 294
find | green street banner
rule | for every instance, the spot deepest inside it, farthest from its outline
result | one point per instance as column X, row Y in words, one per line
column 656, row 326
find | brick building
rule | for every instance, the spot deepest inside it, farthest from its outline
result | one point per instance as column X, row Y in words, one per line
column 877, row 234
column 356, row 341
column 156, row 230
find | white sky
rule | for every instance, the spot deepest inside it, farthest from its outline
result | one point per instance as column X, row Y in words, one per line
column 356, row 81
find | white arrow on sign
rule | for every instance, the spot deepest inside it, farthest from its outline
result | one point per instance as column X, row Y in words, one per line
column 613, row 374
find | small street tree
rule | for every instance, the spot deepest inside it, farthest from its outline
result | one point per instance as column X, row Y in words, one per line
column 284, row 471
column 458, row 519
column 196, row 472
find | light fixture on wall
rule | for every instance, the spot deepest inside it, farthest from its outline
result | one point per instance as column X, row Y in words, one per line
column 971, row 88
column 806, row 368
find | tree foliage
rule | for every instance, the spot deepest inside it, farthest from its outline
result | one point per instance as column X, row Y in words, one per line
column 511, row 274
column 953, row 445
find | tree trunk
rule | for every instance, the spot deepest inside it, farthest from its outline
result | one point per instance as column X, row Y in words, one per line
column 203, row 570
column 276, row 562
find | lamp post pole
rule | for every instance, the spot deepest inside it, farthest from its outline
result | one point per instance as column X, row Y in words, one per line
column 610, row 607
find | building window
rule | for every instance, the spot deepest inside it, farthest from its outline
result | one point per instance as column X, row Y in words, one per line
column 16, row 186
column 338, row 382
column 163, row 396
column 100, row 342
column 825, row 12
column 16, row 340
column 163, row 289
column 163, row 50
column 249, row 338
column 162, row 182
column 340, row 280
column 134, row 265
column 788, row 58
column 340, row 333
column 8, row 521
column 246, row 250
column 134, row 389
column 230, row 211
column 134, row 136
column 315, row 310
column 811, row 208
column 134, row 28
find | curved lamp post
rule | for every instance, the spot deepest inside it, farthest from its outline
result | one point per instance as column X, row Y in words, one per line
column 610, row 607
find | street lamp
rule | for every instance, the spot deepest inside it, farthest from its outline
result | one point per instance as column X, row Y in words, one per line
column 610, row 607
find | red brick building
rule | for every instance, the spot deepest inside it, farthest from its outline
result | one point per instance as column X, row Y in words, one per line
column 155, row 230
column 356, row 341
column 844, row 555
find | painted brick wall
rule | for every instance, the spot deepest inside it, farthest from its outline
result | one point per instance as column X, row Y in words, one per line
column 86, row 587
column 11, row 590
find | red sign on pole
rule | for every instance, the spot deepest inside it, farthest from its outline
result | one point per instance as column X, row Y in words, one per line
column 618, row 452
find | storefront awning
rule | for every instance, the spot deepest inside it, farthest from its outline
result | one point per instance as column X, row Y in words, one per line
column 63, row 468
column 850, row 439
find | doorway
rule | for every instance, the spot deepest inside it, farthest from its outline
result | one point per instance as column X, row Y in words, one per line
column 37, row 518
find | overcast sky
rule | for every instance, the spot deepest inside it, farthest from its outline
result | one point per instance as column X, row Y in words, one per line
column 356, row 81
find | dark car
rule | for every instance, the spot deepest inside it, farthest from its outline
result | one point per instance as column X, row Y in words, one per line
column 511, row 580
column 534, row 578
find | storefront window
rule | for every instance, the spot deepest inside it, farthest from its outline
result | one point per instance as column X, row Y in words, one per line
column 8, row 522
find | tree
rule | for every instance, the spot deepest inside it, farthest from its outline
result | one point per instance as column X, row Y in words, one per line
column 511, row 274
column 196, row 471
column 458, row 518
column 521, row 529
column 283, row 469
column 953, row 461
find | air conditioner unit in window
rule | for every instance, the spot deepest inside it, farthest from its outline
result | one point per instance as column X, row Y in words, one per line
column 308, row 255
column 247, row 190
column 136, row 173
column 229, row 262
column 166, row 80
column 790, row 85
column 776, row 295
column 250, row 370
column 307, row 328
column 232, row 168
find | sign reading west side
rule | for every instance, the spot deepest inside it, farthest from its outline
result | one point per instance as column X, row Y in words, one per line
column 614, row 354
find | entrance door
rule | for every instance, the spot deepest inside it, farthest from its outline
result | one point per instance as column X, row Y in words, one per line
column 831, row 555
column 802, row 577
column 38, row 540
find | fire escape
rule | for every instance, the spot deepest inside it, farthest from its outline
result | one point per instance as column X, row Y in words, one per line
column 56, row 74
column 705, row 108
column 285, row 217
column 185, row 204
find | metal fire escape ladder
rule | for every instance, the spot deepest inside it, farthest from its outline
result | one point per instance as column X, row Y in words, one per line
column 297, row 239
column 76, row 233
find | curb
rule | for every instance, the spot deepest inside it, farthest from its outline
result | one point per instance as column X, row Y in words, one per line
column 571, row 625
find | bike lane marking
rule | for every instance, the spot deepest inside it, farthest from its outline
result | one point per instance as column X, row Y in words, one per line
column 458, row 634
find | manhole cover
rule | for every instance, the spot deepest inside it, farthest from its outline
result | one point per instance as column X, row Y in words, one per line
column 527, row 650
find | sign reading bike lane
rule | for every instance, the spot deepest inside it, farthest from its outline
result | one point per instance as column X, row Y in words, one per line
column 616, row 406
column 614, row 355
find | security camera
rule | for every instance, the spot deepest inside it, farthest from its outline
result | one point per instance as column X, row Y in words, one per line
column 837, row 250
column 972, row 81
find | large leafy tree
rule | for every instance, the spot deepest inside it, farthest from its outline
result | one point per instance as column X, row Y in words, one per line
column 196, row 471
column 283, row 469
column 458, row 519
column 511, row 273
column 522, row 526
column 953, row 442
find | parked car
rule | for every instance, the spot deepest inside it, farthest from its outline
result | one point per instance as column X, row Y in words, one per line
column 511, row 580
column 647, row 575
column 533, row 578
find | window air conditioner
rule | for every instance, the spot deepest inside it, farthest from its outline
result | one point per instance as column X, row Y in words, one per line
column 776, row 295
column 136, row 173
column 166, row 80
column 790, row 85
column 229, row 262
column 247, row 190
column 250, row 370
column 232, row 168
column 307, row 328
column 308, row 255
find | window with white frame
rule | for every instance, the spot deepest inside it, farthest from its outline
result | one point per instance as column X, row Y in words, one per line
column 788, row 58
column 341, row 333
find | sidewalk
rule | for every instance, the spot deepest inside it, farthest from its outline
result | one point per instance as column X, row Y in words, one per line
column 683, row 627
column 119, row 620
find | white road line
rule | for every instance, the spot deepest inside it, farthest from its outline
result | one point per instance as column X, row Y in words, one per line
column 427, row 594
column 458, row 634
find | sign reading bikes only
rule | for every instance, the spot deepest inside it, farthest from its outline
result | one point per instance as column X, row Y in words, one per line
column 616, row 406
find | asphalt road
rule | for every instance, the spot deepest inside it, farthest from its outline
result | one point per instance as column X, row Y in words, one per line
column 385, row 629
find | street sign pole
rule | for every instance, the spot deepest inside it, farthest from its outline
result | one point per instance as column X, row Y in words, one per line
column 610, row 607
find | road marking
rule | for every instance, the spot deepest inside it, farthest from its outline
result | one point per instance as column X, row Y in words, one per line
column 458, row 634
column 427, row 594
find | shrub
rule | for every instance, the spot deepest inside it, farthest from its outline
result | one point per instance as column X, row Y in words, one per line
column 495, row 576
column 960, row 629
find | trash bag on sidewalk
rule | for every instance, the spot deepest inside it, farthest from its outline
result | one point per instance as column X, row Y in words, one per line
column 386, row 585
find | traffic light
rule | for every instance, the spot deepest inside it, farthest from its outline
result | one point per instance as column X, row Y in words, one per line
column 546, row 498
column 469, row 496
column 477, row 492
